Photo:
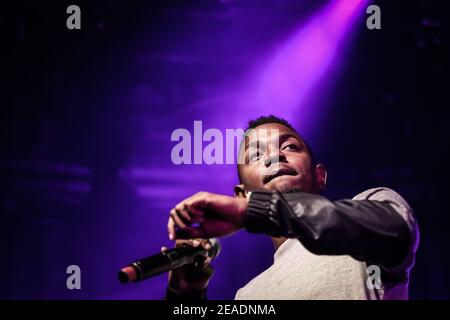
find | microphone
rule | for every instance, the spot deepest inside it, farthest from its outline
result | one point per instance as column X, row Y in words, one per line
column 168, row 260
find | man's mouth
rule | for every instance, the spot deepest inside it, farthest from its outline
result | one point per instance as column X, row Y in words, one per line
column 279, row 173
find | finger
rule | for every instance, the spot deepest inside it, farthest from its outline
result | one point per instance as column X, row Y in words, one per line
column 206, row 244
column 178, row 222
column 195, row 211
column 199, row 270
column 183, row 213
column 198, row 202
column 171, row 228
column 195, row 242
column 181, row 242
column 164, row 249
column 207, row 263
column 188, row 242
column 208, row 270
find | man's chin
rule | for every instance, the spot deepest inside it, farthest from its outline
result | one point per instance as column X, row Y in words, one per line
column 283, row 185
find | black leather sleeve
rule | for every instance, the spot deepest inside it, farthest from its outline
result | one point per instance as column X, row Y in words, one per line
column 364, row 229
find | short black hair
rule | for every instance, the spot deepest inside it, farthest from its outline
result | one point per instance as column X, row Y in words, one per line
column 252, row 124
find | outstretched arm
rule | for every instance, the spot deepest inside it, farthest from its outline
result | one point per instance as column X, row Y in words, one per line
column 375, row 229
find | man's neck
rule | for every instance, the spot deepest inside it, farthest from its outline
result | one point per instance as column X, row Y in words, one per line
column 277, row 242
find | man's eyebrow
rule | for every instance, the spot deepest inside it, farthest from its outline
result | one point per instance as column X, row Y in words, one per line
column 254, row 144
column 286, row 136
column 282, row 138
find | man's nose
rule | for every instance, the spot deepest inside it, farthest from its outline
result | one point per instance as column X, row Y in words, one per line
column 275, row 158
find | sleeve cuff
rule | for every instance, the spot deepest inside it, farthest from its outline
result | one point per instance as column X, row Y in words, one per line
column 261, row 213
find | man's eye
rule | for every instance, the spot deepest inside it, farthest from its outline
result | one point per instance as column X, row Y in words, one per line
column 291, row 146
column 254, row 157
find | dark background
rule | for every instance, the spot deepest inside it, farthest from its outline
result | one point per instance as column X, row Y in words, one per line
column 86, row 117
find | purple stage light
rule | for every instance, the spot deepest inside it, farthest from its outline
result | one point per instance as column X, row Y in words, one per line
column 302, row 61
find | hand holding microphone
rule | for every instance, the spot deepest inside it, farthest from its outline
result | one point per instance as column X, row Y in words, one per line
column 201, row 216
column 194, row 276
column 188, row 264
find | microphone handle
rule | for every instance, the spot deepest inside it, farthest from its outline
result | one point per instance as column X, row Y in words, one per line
column 166, row 261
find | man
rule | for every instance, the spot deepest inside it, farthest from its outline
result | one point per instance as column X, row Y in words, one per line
column 324, row 249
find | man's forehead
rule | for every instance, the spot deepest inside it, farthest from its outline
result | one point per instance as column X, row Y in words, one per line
column 269, row 131
column 275, row 127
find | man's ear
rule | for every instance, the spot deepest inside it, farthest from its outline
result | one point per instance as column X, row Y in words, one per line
column 239, row 191
column 321, row 176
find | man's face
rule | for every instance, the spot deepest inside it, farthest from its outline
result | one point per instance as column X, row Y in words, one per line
column 276, row 159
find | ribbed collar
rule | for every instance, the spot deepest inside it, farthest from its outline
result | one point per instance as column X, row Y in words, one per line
column 285, row 246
